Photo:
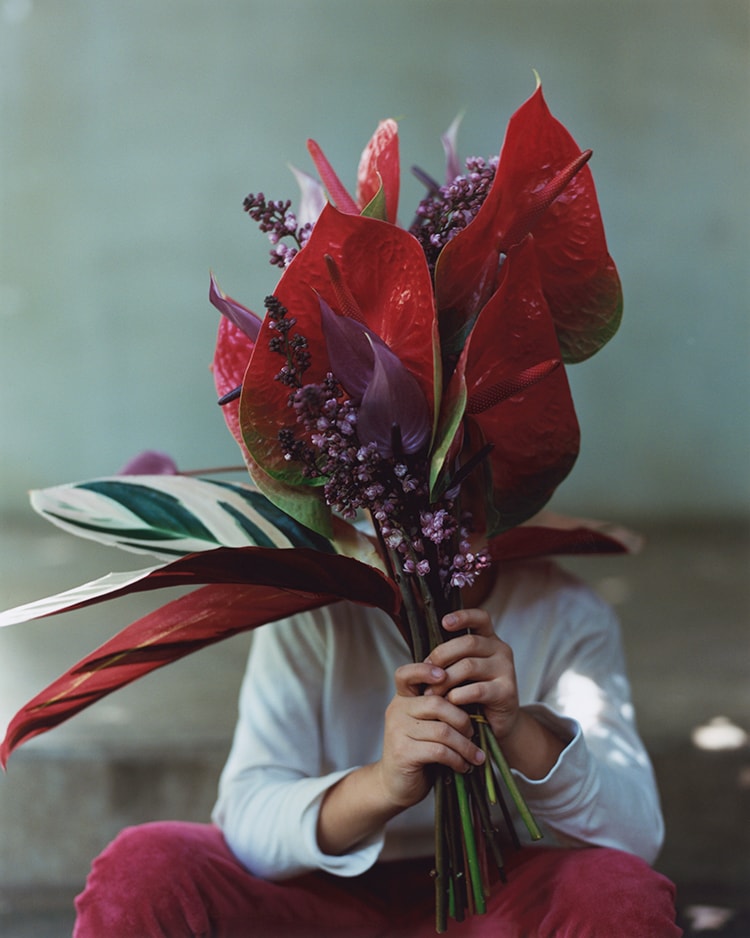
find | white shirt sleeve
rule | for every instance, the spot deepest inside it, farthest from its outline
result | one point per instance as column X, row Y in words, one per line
column 602, row 789
column 312, row 705
column 275, row 777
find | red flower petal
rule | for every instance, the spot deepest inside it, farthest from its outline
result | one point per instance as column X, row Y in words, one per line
column 380, row 166
column 578, row 276
column 386, row 274
column 231, row 355
column 534, row 433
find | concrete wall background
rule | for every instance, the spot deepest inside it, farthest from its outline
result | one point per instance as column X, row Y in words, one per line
column 131, row 130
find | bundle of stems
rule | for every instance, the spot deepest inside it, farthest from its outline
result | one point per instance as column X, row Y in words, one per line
column 470, row 809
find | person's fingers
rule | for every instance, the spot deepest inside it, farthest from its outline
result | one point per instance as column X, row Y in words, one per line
column 411, row 678
column 436, row 741
column 477, row 620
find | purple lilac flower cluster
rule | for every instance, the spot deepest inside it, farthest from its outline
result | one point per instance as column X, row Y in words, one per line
column 358, row 478
column 445, row 210
column 275, row 218
column 292, row 347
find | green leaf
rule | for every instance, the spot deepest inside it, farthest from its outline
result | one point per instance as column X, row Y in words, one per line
column 376, row 207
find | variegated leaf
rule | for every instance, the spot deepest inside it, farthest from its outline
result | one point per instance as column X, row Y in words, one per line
column 172, row 515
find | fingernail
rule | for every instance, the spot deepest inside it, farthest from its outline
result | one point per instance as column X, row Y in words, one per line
column 436, row 672
column 479, row 757
column 449, row 620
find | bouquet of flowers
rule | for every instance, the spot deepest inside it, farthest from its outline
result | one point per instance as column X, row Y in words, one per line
column 403, row 410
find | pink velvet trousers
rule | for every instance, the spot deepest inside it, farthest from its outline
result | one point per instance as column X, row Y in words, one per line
column 173, row 879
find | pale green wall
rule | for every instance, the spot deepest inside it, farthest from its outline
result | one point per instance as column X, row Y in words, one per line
column 130, row 131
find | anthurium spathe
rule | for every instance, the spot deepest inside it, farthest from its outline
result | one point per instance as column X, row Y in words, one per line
column 378, row 174
column 542, row 186
column 358, row 266
column 534, row 432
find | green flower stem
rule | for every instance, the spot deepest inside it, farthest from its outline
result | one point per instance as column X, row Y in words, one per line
column 489, row 778
column 413, row 618
column 434, row 629
column 510, row 784
column 441, row 886
column 472, row 858
column 455, row 848
column 490, row 832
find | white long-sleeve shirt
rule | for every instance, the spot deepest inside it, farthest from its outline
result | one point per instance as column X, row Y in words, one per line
column 312, row 708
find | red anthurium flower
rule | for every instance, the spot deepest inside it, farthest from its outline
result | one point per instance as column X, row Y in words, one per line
column 379, row 170
column 232, row 353
column 542, row 186
column 534, row 431
column 386, row 284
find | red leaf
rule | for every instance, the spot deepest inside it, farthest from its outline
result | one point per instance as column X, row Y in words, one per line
column 527, row 541
column 254, row 589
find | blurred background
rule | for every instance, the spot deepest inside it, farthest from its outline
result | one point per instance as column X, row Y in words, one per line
column 130, row 132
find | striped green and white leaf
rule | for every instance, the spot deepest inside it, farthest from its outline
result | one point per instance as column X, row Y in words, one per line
column 173, row 515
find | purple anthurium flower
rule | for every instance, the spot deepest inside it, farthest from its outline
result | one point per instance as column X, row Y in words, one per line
column 245, row 320
column 393, row 411
column 349, row 352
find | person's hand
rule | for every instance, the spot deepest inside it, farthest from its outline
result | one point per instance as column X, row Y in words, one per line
column 421, row 730
column 479, row 669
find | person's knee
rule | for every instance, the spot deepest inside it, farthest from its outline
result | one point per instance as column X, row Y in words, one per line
column 145, row 854
column 132, row 883
column 607, row 892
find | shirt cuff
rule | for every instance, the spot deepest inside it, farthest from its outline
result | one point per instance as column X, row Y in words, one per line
column 566, row 783
column 354, row 862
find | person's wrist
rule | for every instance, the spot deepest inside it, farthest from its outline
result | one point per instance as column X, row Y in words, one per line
column 390, row 797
